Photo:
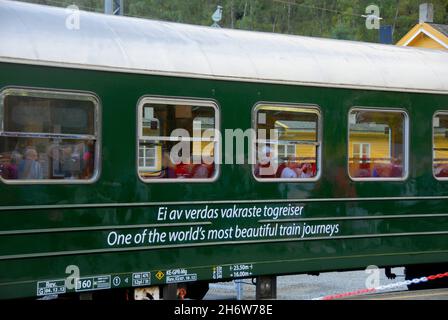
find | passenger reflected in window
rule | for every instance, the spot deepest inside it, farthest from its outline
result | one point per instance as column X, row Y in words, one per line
column 30, row 168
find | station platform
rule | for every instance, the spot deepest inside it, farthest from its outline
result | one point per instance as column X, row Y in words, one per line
column 436, row 294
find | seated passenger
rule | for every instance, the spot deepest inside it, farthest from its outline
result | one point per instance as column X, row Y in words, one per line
column 168, row 168
column 382, row 170
column 66, row 162
column 307, row 171
column 363, row 169
column 441, row 170
column 377, row 170
column 10, row 171
column 397, row 168
column 289, row 171
column 211, row 169
column 313, row 169
column 88, row 161
column 183, row 171
column 266, row 167
column 200, row 171
column 30, row 168
column 280, row 169
column 76, row 161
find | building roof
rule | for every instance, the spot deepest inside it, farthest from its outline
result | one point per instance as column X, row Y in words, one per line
column 426, row 35
column 442, row 28
column 37, row 34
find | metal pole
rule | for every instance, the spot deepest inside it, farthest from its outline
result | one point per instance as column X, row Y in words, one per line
column 239, row 289
column 121, row 10
column 108, row 7
column 114, row 7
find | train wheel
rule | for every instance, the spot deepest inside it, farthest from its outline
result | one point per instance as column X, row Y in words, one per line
column 150, row 293
column 196, row 290
column 192, row 291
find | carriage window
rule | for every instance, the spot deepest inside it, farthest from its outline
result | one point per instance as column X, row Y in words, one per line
column 377, row 144
column 440, row 145
column 47, row 136
column 288, row 143
column 177, row 140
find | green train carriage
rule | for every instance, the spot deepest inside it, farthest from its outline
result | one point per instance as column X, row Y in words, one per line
column 90, row 202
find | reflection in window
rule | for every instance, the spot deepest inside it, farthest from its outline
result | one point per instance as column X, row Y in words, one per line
column 159, row 155
column 440, row 145
column 47, row 136
column 377, row 142
column 361, row 150
column 287, row 144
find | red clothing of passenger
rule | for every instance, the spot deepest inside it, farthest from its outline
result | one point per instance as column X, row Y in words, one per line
column 182, row 171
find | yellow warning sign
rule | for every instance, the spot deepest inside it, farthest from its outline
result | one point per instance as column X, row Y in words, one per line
column 160, row 275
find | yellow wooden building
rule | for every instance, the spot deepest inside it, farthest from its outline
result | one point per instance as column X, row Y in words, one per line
column 426, row 35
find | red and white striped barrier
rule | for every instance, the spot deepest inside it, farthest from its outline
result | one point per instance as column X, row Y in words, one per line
column 383, row 288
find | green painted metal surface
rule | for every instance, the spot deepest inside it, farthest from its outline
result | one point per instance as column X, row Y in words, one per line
column 46, row 228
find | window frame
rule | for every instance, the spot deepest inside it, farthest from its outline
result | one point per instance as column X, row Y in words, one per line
column 186, row 101
column 442, row 112
column 407, row 145
column 313, row 108
column 51, row 93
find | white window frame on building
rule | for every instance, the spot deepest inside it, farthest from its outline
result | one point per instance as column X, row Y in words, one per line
column 361, row 153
